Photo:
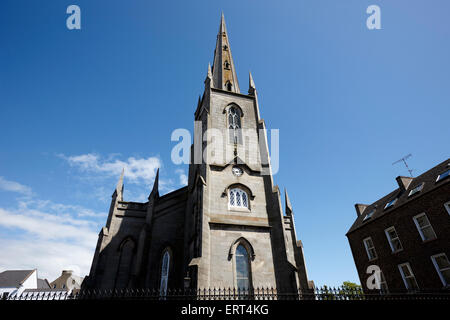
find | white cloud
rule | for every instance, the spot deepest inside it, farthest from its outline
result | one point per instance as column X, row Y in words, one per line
column 49, row 226
column 52, row 236
column 60, row 209
column 136, row 196
column 47, row 256
column 48, row 236
column 136, row 170
column 183, row 177
column 14, row 187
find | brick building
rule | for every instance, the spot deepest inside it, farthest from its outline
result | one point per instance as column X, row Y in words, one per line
column 407, row 234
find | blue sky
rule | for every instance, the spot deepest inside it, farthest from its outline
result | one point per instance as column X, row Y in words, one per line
column 77, row 106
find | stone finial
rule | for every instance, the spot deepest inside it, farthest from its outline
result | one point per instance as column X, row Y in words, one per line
column 289, row 210
column 155, row 192
column 209, row 75
column 119, row 188
column 222, row 27
column 251, row 84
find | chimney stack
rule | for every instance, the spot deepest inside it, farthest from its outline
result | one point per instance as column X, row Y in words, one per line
column 403, row 182
column 360, row 208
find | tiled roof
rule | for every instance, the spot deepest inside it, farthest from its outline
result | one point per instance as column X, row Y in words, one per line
column 429, row 183
column 42, row 284
column 13, row 278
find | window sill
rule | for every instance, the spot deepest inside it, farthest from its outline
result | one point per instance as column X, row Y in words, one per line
column 429, row 240
column 395, row 252
column 237, row 209
column 412, row 195
column 442, row 179
column 412, row 291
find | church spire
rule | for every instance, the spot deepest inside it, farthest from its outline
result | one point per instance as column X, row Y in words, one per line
column 224, row 72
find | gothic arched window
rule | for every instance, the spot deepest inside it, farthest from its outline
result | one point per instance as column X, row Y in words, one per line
column 165, row 265
column 238, row 198
column 227, row 66
column 229, row 86
column 234, row 124
column 242, row 268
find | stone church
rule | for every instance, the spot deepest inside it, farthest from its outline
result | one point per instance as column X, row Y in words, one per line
column 226, row 228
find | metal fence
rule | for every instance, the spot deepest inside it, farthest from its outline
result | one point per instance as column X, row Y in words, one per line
column 324, row 293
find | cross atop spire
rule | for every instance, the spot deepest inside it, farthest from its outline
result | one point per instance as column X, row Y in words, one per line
column 224, row 72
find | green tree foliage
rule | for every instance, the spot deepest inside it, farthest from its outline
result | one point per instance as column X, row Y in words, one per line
column 350, row 290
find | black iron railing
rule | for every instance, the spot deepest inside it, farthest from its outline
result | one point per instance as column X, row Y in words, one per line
column 325, row 293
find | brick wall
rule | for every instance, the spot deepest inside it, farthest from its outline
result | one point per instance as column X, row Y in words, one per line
column 415, row 251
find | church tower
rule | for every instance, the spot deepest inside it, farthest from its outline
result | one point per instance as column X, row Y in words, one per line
column 226, row 228
column 236, row 235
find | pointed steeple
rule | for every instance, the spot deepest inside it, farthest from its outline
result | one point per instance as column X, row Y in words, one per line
column 251, row 84
column 119, row 188
column 222, row 27
column 288, row 204
column 155, row 192
column 224, row 72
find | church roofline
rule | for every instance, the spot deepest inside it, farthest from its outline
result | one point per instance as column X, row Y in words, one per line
column 172, row 193
column 233, row 224
column 163, row 197
column 234, row 93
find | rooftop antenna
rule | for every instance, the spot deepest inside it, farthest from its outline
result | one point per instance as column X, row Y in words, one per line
column 406, row 164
